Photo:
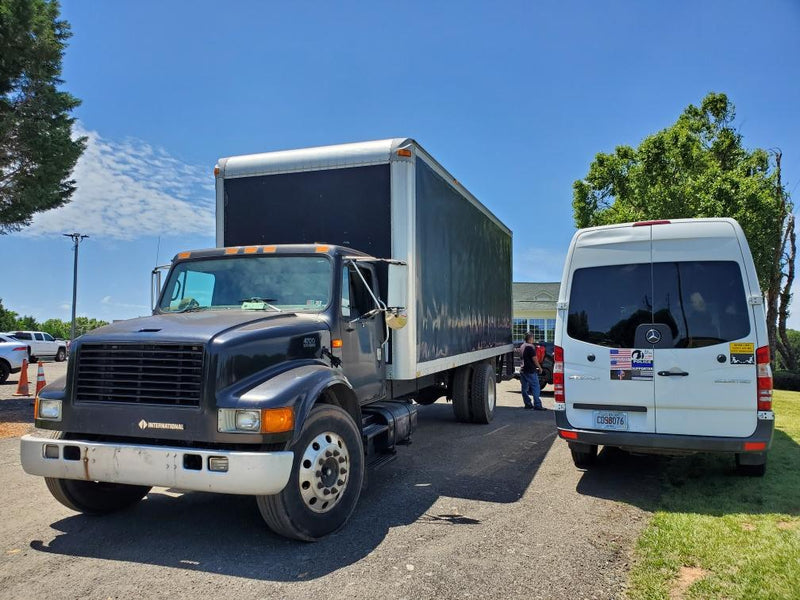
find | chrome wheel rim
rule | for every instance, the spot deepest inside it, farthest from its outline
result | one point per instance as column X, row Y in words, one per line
column 324, row 472
column 490, row 393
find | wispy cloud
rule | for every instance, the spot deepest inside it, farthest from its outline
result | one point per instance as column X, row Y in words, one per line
column 110, row 302
column 130, row 189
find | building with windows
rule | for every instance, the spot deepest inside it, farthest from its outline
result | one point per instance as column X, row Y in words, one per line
column 534, row 310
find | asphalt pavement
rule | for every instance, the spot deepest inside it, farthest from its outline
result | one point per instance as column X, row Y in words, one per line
column 466, row 511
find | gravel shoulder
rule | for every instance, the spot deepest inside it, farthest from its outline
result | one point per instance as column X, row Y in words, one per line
column 467, row 511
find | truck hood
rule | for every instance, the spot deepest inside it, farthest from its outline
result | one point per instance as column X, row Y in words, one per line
column 193, row 327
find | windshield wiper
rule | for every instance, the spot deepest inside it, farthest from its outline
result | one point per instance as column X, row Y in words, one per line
column 264, row 301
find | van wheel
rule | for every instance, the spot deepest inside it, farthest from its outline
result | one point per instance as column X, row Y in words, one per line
column 750, row 470
column 325, row 483
column 462, row 382
column 61, row 355
column 4, row 371
column 584, row 456
column 92, row 497
column 483, row 395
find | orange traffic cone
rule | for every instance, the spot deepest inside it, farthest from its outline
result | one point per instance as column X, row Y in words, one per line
column 40, row 382
column 22, row 386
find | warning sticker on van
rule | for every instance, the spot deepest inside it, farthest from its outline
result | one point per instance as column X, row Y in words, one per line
column 742, row 353
column 631, row 364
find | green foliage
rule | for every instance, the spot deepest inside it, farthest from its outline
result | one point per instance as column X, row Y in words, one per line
column 11, row 321
column 786, row 380
column 37, row 153
column 794, row 341
column 697, row 167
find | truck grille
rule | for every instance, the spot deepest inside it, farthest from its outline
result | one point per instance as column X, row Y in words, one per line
column 168, row 374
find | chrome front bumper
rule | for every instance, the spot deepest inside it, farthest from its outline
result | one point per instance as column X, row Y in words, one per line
column 249, row 473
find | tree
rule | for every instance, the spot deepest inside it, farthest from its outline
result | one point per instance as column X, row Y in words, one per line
column 8, row 318
column 698, row 167
column 37, row 152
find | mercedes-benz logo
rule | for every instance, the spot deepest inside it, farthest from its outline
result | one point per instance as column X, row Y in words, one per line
column 653, row 336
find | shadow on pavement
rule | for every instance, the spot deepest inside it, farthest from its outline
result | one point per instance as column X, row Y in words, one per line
column 701, row 483
column 225, row 534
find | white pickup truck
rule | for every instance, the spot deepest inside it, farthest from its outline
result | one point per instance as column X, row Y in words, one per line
column 42, row 345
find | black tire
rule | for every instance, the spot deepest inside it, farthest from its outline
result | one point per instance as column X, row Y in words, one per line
column 462, row 383
column 5, row 370
column 751, row 470
column 483, row 395
column 584, row 456
column 545, row 377
column 293, row 512
column 93, row 497
column 61, row 355
column 32, row 359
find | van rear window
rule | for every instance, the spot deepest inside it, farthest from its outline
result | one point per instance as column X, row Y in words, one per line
column 702, row 302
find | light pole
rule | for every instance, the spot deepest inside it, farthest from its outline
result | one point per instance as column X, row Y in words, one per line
column 76, row 238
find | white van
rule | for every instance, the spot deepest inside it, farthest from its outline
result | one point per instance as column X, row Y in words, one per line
column 661, row 343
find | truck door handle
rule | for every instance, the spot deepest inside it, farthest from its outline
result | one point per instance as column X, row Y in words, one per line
column 673, row 373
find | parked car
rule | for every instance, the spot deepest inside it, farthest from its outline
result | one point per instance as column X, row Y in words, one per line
column 41, row 344
column 546, row 376
column 11, row 356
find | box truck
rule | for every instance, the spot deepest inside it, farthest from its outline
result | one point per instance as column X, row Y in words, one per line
column 349, row 284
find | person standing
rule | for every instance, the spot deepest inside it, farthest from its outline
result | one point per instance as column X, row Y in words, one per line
column 529, row 375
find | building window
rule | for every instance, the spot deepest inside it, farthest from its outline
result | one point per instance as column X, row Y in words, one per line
column 544, row 330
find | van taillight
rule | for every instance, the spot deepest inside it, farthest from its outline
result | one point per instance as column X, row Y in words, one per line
column 558, row 374
column 764, row 377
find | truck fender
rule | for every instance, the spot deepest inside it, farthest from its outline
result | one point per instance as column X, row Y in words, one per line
column 300, row 388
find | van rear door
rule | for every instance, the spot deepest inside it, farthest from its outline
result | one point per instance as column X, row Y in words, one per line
column 705, row 382
column 609, row 295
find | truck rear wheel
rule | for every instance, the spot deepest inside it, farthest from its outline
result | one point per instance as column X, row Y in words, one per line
column 462, row 383
column 483, row 395
column 93, row 497
column 326, row 478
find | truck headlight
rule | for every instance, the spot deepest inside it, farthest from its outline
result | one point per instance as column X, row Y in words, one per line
column 266, row 420
column 49, row 410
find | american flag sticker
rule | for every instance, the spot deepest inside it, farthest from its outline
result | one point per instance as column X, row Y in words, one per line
column 620, row 358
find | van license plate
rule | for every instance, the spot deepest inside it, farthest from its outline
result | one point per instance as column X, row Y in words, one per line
column 610, row 419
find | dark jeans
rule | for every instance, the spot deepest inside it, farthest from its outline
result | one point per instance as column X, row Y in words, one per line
column 530, row 383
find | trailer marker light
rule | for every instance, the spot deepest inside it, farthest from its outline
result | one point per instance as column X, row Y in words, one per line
column 269, row 248
column 568, row 435
column 216, row 171
column 231, row 250
column 184, row 255
column 250, row 249
column 404, row 152
column 755, row 446
column 277, row 420
column 336, row 343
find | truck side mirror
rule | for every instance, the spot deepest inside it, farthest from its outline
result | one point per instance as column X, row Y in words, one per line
column 396, row 317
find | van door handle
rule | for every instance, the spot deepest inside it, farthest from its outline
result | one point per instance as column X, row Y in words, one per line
column 671, row 373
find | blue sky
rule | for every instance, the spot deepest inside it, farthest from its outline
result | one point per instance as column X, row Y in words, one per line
column 514, row 99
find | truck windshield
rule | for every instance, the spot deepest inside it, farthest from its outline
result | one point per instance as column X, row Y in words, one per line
column 271, row 283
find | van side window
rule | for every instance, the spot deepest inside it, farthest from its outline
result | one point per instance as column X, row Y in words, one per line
column 702, row 302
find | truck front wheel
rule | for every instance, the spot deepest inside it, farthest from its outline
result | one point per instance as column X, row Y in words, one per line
column 325, row 481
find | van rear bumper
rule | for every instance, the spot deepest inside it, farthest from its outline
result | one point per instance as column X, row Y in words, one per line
column 662, row 441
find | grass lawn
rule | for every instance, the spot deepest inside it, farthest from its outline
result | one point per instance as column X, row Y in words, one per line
column 716, row 534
